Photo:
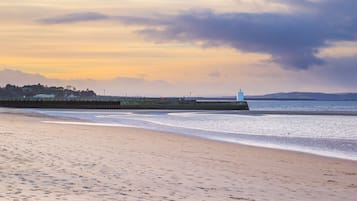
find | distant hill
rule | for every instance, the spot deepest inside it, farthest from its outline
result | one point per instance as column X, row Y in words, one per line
column 305, row 96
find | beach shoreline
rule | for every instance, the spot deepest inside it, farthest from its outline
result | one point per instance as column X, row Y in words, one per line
column 42, row 161
column 322, row 143
column 81, row 122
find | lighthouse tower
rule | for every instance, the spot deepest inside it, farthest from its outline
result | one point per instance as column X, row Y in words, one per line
column 240, row 95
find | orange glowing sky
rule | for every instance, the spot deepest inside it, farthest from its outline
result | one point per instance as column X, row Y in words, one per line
column 107, row 49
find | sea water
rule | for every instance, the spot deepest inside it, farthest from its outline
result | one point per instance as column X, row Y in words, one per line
column 328, row 135
column 318, row 106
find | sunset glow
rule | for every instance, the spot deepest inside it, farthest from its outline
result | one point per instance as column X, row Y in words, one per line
column 131, row 39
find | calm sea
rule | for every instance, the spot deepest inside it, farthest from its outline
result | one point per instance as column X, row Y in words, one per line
column 328, row 135
column 321, row 106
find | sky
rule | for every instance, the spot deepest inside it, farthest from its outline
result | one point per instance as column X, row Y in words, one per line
column 177, row 48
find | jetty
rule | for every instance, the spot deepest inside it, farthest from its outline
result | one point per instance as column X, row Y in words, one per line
column 126, row 103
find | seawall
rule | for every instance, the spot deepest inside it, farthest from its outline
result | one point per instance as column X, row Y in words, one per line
column 166, row 104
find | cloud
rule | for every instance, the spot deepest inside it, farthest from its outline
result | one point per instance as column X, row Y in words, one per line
column 117, row 86
column 292, row 39
column 214, row 74
column 334, row 7
column 8, row 76
column 75, row 17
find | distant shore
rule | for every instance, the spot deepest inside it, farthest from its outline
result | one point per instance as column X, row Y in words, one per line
column 42, row 161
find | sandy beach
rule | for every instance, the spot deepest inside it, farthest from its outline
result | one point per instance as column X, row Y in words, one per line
column 44, row 161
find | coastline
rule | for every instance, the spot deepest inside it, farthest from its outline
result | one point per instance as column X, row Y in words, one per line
column 328, row 146
column 48, row 161
column 81, row 122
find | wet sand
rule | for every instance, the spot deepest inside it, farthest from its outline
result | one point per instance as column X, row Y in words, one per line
column 41, row 161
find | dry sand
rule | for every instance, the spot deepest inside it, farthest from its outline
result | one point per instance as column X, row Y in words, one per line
column 40, row 161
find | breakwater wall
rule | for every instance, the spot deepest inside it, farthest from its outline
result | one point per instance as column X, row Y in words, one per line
column 61, row 104
column 140, row 103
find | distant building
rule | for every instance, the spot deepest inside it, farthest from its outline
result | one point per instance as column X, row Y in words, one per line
column 26, row 89
column 240, row 95
column 71, row 96
column 44, row 96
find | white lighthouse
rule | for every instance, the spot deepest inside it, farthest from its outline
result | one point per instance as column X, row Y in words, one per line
column 240, row 95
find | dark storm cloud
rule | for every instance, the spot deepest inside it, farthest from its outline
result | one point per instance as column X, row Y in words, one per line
column 291, row 39
column 75, row 17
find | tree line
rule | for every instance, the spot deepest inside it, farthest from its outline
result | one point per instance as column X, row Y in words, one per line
column 31, row 91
